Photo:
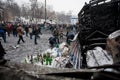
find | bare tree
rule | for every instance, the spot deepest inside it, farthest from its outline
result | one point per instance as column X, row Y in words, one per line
column 36, row 11
column 11, row 9
column 34, row 8
column 25, row 11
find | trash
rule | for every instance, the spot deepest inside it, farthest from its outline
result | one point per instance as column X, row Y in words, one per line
column 49, row 57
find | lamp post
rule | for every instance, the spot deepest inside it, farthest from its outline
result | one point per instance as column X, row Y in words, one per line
column 45, row 13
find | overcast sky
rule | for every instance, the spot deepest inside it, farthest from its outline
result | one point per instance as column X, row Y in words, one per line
column 63, row 5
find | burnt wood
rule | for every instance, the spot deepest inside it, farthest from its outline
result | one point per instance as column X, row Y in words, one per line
column 98, row 21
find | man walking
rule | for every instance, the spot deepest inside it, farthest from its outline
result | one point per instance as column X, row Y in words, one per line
column 20, row 33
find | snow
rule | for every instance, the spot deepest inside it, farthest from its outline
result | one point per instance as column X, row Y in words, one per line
column 18, row 53
column 98, row 57
column 114, row 34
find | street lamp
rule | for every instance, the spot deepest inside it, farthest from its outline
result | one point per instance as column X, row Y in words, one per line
column 45, row 13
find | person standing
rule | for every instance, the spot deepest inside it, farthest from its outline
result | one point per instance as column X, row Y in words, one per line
column 2, row 53
column 20, row 33
column 9, row 28
column 3, row 31
column 26, row 30
column 61, row 32
column 70, row 35
column 15, row 30
column 30, row 30
column 56, row 35
column 36, row 33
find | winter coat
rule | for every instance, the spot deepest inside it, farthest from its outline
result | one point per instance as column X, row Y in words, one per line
column 2, row 28
column 30, row 30
column 36, row 31
column 2, row 51
column 20, row 31
column 55, row 32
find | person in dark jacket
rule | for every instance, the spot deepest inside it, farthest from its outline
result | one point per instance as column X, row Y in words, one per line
column 3, row 31
column 15, row 30
column 56, row 35
column 2, row 53
column 52, row 41
column 36, row 33
column 26, row 30
column 70, row 35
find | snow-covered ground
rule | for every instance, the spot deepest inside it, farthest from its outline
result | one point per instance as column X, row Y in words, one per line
column 18, row 52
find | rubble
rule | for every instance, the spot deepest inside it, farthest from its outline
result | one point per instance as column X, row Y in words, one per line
column 113, row 45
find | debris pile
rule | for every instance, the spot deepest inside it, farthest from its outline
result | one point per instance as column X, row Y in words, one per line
column 53, row 57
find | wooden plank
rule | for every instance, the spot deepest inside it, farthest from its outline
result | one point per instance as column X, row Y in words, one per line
column 96, row 1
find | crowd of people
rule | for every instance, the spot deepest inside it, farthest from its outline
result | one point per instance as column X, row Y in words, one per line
column 19, row 29
column 33, row 32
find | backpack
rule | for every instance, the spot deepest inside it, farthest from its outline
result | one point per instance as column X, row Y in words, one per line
column 1, row 31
